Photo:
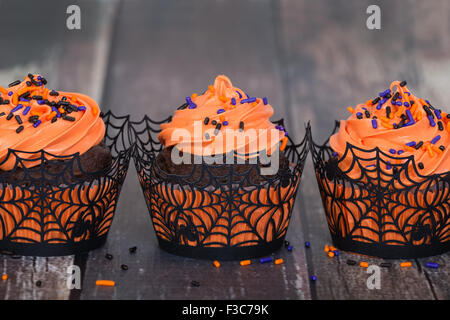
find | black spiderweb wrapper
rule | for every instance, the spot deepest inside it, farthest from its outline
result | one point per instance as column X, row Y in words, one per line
column 64, row 210
column 380, row 205
column 210, row 216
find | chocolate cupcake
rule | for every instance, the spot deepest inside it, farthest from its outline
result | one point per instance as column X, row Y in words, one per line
column 384, row 177
column 61, row 169
column 219, row 178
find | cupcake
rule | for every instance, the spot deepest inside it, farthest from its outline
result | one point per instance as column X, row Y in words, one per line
column 384, row 177
column 60, row 170
column 219, row 178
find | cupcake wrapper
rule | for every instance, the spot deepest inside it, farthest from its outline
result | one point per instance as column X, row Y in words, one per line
column 382, row 212
column 226, row 220
column 63, row 214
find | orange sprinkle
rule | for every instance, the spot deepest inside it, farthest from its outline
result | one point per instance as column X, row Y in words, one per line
column 222, row 118
column 51, row 115
column 245, row 262
column 436, row 149
column 400, row 111
column 284, row 143
column 35, row 113
column 194, row 95
column 444, row 114
column 364, row 264
column 387, row 125
column 430, row 151
column 419, row 116
column 279, row 261
column 223, row 99
column 254, row 104
column 405, row 264
column 216, row 264
column 408, row 148
column 95, row 111
column 369, row 102
column 22, row 91
column 61, row 110
column 448, row 126
column 108, row 283
column 331, row 254
column 327, row 248
column 4, row 276
column 3, row 90
column 211, row 88
column 14, row 99
column 351, row 110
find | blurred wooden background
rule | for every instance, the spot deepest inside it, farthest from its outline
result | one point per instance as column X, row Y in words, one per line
column 310, row 58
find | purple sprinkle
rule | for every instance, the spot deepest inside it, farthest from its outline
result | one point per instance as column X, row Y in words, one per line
column 428, row 102
column 385, row 93
column 400, row 152
column 233, row 101
column 225, row 123
column 18, row 107
column 398, row 103
column 374, row 123
column 81, row 108
column 220, row 111
column 39, row 77
column 410, row 116
column 388, row 166
column 411, row 144
column 249, row 100
column 359, row 114
column 335, row 154
column 392, row 151
column 10, row 93
column 54, row 109
column 379, row 105
column 435, row 139
column 406, row 104
column 370, row 166
column 24, row 100
column 27, row 109
column 438, row 114
column 432, row 123
column 408, row 93
column 285, row 134
column 265, row 100
column 240, row 95
column 40, row 102
column 37, row 123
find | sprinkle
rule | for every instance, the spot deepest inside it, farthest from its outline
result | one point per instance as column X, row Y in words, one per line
column 4, row 276
column 195, row 283
column 331, row 254
column 19, row 129
column 15, row 83
column 10, row 93
column 307, row 244
column 438, row 114
column 124, row 267
column 69, row 118
column 233, row 101
column 27, row 109
column 108, row 283
column 289, row 248
column 440, row 126
column 245, row 262
column 284, row 143
column 225, row 123
column 432, row 265
column 359, row 115
column 403, row 83
column 16, row 108
column 411, row 144
column 405, row 264
column 385, row 93
column 265, row 101
column 216, row 131
column 265, row 260
column 388, row 166
column 399, row 152
column 220, row 111
column 376, row 100
column 351, row 110
column 364, row 264
column 442, row 148
column 374, row 124
column 385, row 264
column 216, row 264
column 351, row 262
column 241, row 126
column 432, row 123
column 206, row 121
column 194, row 95
column 223, row 99
column 249, row 100
column 9, row 117
column 132, row 249
column 392, row 151
column 37, row 123
column 2, row 114
column 313, row 278
column 429, row 150
column 54, row 93
column 211, row 88
column 279, row 261
column 367, row 113
column 419, row 145
column 214, row 122
column 240, row 95
column 18, row 119
column 335, row 154
column 109, row 256
column 406, row 104
column 435, row 139
column 81, row 108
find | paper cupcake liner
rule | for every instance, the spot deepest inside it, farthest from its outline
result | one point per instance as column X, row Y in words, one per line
column 62, row 213
column 388, row 212
column 224, row 220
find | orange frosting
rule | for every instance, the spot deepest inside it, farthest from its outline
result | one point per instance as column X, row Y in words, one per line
column 368, row 133
column 230, row 108
column 61, row 137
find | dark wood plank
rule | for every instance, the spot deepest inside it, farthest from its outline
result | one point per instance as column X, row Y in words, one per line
column 162, row 53
column 331, row 60
column 39, row 42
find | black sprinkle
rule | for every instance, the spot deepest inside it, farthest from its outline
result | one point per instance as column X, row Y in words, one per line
column 124, row 267
column 35, row 82
column 403, row 83
column 69, row 118
column 216, row 131
column 207, row 137
column 421, row 166
column 28, row 83
column 396, row 95
column 64, row 98
column 36, row 97
column 206, row 121
column 18, row 119
column 388, row 96
column 38, row 283
column 15, row 83
column 54, row 93
column 54, row 119
column 109, row 256
column 403, row 116
column 30, row 75
column 214, row 122
column 442, row 148
column 2, row 114
column 374, row 101
column 195, row 283
column 132, row 249
column 44, row 81
column 351, row 262
column 419, row 145
column 440, row 126
column 386, row 264
column 448, row 116
column 241, row 126
column 367, row 113
column 395, row 126
column 6, row 101
column 9, row 117
column 411, row 102
column 19, row 129
column 286, row 243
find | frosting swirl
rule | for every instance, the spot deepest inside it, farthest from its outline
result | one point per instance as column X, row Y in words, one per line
column 401, row 125
column 221, row 120
column 33, row 117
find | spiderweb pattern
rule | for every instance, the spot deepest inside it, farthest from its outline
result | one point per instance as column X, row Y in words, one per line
column 227, row 211
column 381, row 205
column 61, row 211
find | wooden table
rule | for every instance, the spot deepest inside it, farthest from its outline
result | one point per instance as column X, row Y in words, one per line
column 310, row 58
